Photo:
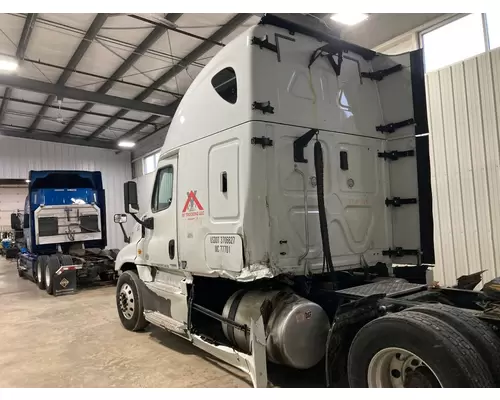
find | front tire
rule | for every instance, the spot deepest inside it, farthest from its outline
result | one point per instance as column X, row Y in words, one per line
column 409, row 349
column 20, row 272
column 129, row 302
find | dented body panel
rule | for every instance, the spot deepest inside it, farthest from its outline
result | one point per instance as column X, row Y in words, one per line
column 235, row 193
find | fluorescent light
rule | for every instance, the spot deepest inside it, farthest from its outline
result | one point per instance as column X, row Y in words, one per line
column 8, row 65
column 349, row 18
column 126, row 144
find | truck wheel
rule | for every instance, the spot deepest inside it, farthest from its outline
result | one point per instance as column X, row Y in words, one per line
column 129, row 302
column 53, row 265
column 410, row 350
column 19, row 270
column 477, row 332
column 41, row 264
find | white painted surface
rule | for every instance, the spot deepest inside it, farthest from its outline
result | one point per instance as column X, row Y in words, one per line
column 11, row 200
column 401, row 44
column 144, row 190
column 67, row 233
column 268, row 207
column 19, row 156
column 464, row 107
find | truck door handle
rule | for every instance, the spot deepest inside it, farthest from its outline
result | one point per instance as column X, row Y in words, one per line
column 344, row 163
column 171, row 249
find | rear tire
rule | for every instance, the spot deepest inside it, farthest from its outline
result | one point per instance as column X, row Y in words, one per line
column 105, row 277
column 447, row 358
column 477, row 332
column 53, row 265
column 41, row 264
column 129, row 302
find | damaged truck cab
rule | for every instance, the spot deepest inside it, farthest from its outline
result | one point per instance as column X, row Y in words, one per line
column 288, row 186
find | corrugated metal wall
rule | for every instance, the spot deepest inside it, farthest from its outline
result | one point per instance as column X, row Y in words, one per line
column 463, row 104
column 19, row 156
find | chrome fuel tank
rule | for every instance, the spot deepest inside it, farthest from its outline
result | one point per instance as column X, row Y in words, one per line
column 296, row 328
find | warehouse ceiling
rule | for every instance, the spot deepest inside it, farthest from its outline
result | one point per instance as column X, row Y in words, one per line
column 97, row 79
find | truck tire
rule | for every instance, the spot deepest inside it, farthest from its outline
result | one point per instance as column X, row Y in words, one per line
column 53, row 265
column 477, row 332
column 105, row 277
column 129, row 302
column 410, row 349
column 65, row 259
column 114, row 253
column 20, row 272
column 41, row 264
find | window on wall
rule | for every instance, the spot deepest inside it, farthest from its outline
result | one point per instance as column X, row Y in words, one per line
column 493, row 26
column 150, row 162
column 460, row 39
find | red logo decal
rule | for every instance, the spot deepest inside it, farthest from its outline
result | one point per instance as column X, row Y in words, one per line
column 192, row 208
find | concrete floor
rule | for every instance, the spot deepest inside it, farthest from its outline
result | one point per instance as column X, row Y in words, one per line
column 78, row 341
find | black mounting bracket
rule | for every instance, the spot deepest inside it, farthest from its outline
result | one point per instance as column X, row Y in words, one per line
column 265, row 107
column 263, row 141
column 393, row 127
column 396, row 155
column 326, row 51
column 398, row 201
column 400, row 252
column 264, row 43
column 300, row 144
column 379, row 75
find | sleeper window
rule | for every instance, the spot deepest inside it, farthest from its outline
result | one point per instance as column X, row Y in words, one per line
column 224, row 83
column 163, row 189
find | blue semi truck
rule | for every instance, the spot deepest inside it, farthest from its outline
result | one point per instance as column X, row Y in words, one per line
column 64, row 231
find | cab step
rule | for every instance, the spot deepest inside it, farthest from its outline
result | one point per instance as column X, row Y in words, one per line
column 165, row 322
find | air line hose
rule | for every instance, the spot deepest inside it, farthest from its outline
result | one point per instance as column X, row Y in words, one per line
column 323, row 223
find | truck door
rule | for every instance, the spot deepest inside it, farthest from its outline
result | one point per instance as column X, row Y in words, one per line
column 160, row 243
column 401, row 87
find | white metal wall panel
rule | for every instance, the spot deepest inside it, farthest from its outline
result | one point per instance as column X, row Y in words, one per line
column 11, row 200
column 463, row 105
column 19, row 156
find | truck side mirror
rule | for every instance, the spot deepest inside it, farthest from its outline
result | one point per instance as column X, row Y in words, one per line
column 26, row 221
column 130, row 194
column 120, row 218
column 15, row 222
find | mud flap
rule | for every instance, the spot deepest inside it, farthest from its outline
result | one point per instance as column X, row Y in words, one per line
column 64, row 282
column 253, row 364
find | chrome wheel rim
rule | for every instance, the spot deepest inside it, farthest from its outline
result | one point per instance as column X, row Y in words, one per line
column 39, row 272
column 394, row 367
column 127, row 301
column 47, row 277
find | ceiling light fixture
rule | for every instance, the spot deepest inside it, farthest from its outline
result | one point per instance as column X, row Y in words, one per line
column 8, row 64
column 125, row 144
column 349, row 18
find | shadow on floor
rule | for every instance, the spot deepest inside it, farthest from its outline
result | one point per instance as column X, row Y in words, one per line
column 278, row 375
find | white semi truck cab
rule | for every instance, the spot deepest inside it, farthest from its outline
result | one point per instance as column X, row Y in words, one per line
column 288, row 202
